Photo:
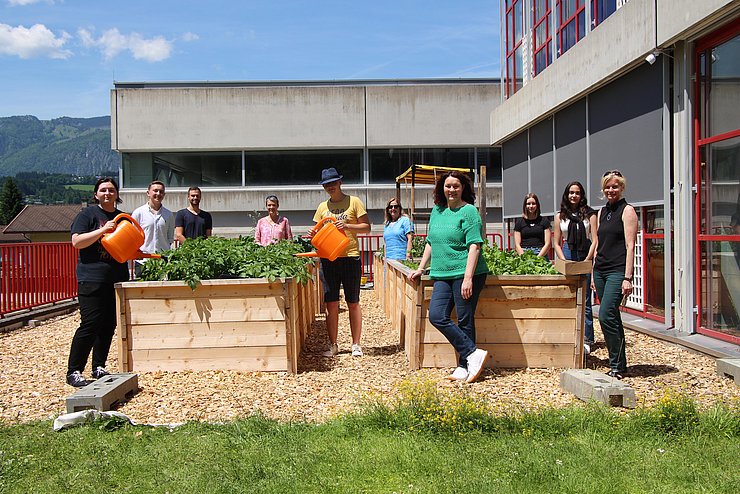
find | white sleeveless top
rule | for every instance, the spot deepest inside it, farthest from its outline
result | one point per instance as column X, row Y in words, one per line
column 564, row 223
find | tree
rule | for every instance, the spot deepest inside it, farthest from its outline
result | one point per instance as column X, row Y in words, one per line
column 11, row 201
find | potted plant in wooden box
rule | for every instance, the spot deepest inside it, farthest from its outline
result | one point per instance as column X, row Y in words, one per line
column 528, row 315
column 217, row 304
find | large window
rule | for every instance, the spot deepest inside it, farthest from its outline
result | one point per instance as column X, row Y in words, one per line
column 387, row 164
column 601, row 9
column 221, row 169
column 514, row 32
column 301, row 167
column 541, row 14
column 717, row 174
column 571, row 23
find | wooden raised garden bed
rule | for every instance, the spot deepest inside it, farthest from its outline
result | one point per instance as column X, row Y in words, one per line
column 232, row 324
column 523, row 321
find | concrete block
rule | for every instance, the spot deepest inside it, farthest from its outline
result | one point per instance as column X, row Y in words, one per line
column 729, row 367
column 591, row 385
column 32, row 323
column 103, row 393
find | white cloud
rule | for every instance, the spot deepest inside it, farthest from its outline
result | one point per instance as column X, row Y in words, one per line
column 190, row 37
column 33, row 42
column 13, row 3
column 112, row 42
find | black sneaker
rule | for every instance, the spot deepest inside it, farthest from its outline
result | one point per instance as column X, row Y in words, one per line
column 615, row 374
column 100, row 372
column 75, row 379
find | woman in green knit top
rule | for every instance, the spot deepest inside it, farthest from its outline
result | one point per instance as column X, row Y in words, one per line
column 457, row 268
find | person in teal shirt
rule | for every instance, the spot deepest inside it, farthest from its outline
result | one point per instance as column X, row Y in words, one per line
column 458, row 269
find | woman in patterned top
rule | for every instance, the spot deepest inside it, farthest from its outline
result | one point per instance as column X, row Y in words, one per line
column 272, row 227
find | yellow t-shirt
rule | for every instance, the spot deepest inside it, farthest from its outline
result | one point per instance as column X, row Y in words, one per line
column 349, row 210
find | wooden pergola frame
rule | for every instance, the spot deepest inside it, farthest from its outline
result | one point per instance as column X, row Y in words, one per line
column 427, row 175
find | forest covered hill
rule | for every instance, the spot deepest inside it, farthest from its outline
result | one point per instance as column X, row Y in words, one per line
column 75, row 146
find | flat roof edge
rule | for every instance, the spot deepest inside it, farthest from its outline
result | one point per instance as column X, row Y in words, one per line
column 303, row 83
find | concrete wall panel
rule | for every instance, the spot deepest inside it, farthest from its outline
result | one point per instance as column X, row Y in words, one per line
column 678, row 18
column 221, row 118
column 430, row 115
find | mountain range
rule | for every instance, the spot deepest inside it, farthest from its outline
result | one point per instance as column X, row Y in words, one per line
column 77, row 146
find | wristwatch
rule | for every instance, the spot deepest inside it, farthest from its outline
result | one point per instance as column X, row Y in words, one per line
column 628, row 279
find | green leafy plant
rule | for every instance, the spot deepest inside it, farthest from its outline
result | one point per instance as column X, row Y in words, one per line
column 508, row 262
column 502, row 262
column 215, row 257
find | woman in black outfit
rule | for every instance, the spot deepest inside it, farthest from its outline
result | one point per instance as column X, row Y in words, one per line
column 614, row 264
column 97, row 271
column 532, row 231
column 575, row 227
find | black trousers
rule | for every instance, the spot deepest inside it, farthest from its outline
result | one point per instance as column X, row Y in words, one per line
column 97, row 325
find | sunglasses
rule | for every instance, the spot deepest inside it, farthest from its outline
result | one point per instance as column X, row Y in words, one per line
column 613, row 172
column 394, row 206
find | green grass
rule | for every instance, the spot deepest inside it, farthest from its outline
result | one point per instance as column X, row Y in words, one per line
column 401, row 445
column 82, row 187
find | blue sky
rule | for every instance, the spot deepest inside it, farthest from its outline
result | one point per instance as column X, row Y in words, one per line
column 61, row 57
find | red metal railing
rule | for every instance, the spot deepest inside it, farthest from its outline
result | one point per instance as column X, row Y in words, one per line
column 36, row 274
column 369, row 244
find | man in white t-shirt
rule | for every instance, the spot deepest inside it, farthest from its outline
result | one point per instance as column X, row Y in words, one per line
column 157, row 221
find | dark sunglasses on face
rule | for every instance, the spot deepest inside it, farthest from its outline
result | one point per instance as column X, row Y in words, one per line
column 613, row 172
column 394, row 206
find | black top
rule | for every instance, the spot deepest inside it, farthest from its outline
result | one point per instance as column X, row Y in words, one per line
column 95, row 264
column 193, row 226
column 532, row 231
column 611, row 254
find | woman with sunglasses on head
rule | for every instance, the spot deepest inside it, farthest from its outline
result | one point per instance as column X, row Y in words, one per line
column 614, row 264
column 532, row 230
column 272, row 227
column 398, row 232
column 575, row 225
column 458, row 269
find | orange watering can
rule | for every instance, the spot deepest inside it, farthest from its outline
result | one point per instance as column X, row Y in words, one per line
column 328, row 240
column 124, row 242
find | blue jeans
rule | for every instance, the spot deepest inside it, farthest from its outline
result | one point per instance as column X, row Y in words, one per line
column 589, row 330
column 446, row 295
column 609, row 290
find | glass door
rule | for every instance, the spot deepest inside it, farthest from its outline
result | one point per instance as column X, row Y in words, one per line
column 717, row 178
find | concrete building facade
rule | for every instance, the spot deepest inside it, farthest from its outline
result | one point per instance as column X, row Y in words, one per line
column 242, row 141
column 652, row 88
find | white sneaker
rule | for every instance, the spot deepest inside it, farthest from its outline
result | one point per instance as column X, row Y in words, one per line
column 332, row 351
column 459, row 374
column 476, row 361
column 586, row 349
column 357, row 350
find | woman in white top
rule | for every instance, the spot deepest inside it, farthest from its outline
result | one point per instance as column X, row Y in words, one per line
column 575, row 224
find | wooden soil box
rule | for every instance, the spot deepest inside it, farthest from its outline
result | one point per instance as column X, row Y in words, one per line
column 523, row 321
column 233, row 324
column 569, row 268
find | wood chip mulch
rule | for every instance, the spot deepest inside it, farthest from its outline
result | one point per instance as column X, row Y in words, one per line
column 33, row 363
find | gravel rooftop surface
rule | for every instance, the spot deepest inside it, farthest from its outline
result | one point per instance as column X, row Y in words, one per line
column 33, row 364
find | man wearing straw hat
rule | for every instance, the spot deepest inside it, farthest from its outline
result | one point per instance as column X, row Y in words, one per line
column 351, row 217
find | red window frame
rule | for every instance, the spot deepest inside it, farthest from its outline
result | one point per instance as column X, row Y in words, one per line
column 701, row 140
column 580, row 7
column 511, row 48
column 537, row 19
